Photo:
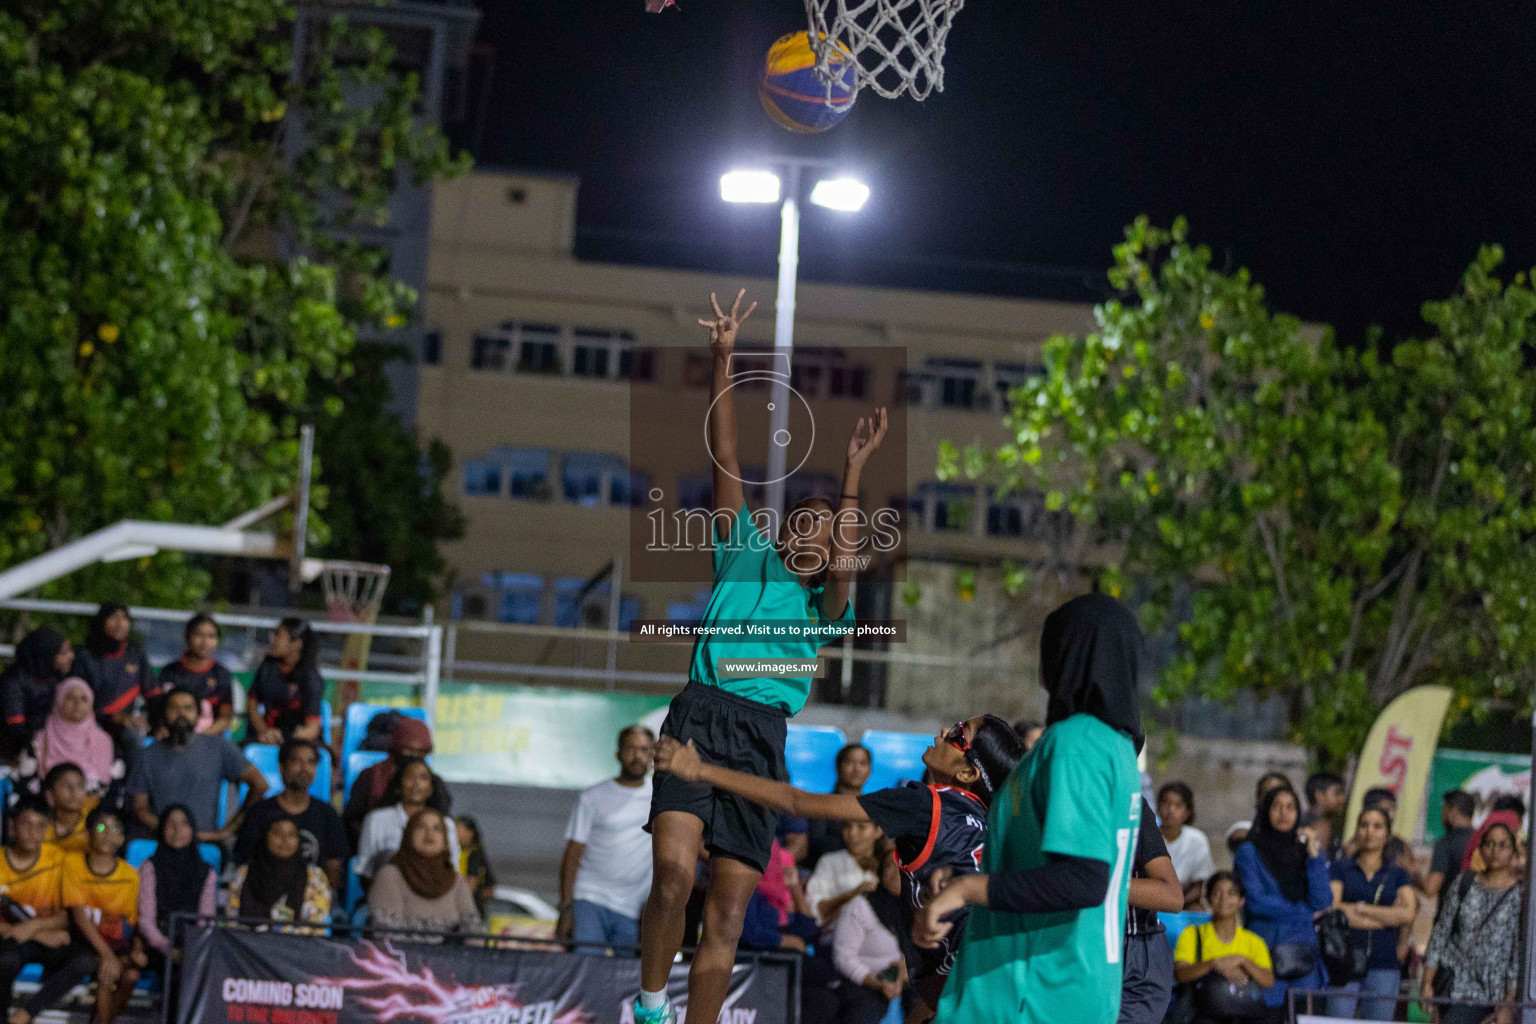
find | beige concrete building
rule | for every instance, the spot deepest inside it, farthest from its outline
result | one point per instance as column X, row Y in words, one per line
column 535, row 362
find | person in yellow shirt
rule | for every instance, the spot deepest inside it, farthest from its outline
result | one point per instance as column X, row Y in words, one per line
column 1223, row 945
column 102, row 894
column 34, row 927
column 64, row 789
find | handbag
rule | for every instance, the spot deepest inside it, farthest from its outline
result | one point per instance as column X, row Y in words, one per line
column 1345, row 961
column 1446, row 975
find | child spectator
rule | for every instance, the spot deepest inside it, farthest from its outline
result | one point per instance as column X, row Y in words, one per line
column 420, row 889
column 68, row 804
column 71, row 736
column 867, row 954
column 410, row 791
column 174, row 880
column 118, row 672
column 277, row 885
column 198, row 670
column 43, row 659
column 1223, row 945
column 102, row 894
column 285, row 694
column 1188, row 847
column 34, row 926
column 473, row 863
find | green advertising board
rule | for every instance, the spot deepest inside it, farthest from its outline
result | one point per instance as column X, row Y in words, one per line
column 1483, row 775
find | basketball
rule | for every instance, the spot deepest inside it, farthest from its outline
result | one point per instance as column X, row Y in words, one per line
column 793, row 95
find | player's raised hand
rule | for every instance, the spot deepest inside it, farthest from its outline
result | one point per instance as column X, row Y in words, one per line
column 682, row 761
column 866, row 438
column 723, row 328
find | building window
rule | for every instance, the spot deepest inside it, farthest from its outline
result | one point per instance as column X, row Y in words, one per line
column 849, row 382
column 432, row 348
column 580, row 606
column 1015, row 515
column 482, row 476
column 811, row 485
column 588, row 479
column 538, row 356
column 637, row 364
column 910, row 387
column 939, row 508
column 607, row 355
column 489, row 352
column 519, row 596
column 527, row 471
column 698, row 370
column 1007, row 376
column 956, row 383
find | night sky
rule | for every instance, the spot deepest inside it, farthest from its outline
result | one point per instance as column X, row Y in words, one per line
column 1353, row 155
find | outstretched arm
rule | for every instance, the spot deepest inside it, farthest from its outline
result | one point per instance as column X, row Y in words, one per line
column 683, row 761
column 722, row 413
column 867, row 435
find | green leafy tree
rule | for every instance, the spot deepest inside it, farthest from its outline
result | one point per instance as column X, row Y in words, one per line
column 175, row 273
column 1325, row 523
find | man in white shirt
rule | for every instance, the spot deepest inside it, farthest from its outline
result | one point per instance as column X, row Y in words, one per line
column 605, row 875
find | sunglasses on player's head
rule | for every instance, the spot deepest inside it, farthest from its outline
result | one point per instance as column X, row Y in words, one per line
column 956, row 738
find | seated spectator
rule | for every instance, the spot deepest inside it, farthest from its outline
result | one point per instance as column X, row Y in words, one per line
column 43, row 659
column 843, row 874
column 853, row 767
column 118, row 672
column 189, row 768
column 794, row 835
column 174, row 880
column 605, row 872
column 102, row 894
column 1376, row 896
column 411, row 790
column 1223, row 945
column 867, row 954
column 68, row 806
column 198, row 670
column 1456, row 810
column 277, row 885
column 780, row 888
column 420, row 889
column 1029, row 732
column 1188, row 847
column 322, row 839
column 284, row 699
column 473, row 863
column 1476, row 939
column 409, row 739
column 34, row 926
column 71, row 736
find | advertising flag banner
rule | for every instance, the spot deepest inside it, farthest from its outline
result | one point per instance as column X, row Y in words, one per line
column 1398, row 753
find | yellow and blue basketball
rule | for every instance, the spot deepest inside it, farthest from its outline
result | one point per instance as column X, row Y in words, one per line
column 794, row 96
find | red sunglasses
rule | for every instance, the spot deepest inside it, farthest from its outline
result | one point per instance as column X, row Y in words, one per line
column 955, row 737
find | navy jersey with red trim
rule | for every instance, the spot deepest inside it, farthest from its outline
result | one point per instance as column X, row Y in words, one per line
column 940, row 832
column 213, row 685
column 115, row 679
column 287, row 702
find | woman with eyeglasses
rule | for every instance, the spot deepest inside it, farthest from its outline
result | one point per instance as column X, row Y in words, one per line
column 102, row 894
column 1474, row 951
column 939, row 825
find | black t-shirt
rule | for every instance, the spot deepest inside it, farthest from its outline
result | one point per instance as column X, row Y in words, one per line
column 322, row 837
column 25, row 701
column 821, row 838
column 213, row 685
column 117, row 680
column 1449, row 851
column 1149, row 847
column 287, row 701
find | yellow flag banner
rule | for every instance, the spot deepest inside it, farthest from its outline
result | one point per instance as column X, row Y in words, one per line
column 1398, row 754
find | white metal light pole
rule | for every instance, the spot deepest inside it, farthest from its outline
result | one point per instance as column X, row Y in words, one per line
column 845, row 194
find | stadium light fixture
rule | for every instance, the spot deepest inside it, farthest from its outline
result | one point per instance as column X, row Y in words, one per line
column 749, row 187
column 846, row 194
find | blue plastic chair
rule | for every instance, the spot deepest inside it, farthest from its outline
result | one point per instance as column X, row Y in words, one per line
column 325, row 722
column 356, row 727
column 895, row 757
column 356, row 763
column 140, row 850
column 264, row 757
column 1175, row 924
column 810, row 752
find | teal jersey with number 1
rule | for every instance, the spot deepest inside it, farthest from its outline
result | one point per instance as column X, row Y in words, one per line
column 1077, row 793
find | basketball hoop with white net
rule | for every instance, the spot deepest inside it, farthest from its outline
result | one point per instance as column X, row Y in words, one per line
column 353, row 593
column 897, row 46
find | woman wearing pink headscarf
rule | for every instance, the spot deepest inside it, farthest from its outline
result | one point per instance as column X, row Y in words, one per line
column 71, row 734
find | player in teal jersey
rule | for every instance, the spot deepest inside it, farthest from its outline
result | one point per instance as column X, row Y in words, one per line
column 803, row 579
column 1043, row 943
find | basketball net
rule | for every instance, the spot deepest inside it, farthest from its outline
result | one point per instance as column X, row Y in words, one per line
column 897, row 45
column 353, row 593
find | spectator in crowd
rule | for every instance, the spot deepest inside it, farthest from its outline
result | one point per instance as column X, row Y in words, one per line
column 1285, row 881
column 1147, row 966
column 198, row 670
column 285, row 694
column 409, row 739
column 189, row 768
column 1456, row 810
column 277, row 885
column 413, row 788
column 1476, row 939
column 844, row 874
column 867, row 952
column 794, row 834
column 102, row 894
column 34, row 928
column 823, row 837
column 43, row 659
column 1237, row 835
column 1508, row 809
column 174, row 880
column 1223, row 945
column 1377, row 897
column 1324, row 815
column 1267, row 782
column 778, row 916
column 420, row 889
column 473, row 863
column 118, row 672
column 605, row 872
column 322, row 838
column 71, row 736
column 1188, row 847
column 1029, row 732
column 68, row 806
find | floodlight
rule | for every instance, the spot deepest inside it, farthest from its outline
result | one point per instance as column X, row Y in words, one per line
column 749, row 187
column 846, row 194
